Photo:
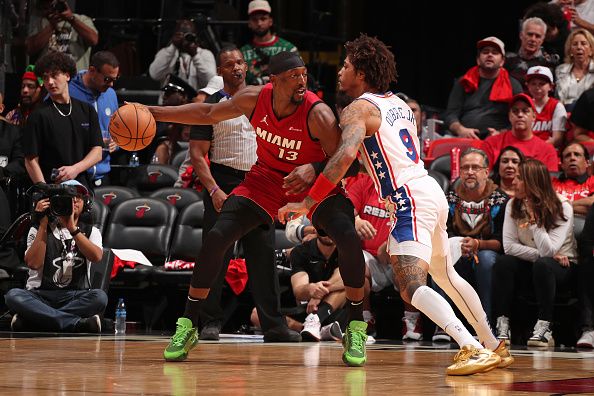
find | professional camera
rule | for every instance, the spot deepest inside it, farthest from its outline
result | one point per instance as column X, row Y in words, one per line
column 190, row 37
column 60, row 197
column 59, row 6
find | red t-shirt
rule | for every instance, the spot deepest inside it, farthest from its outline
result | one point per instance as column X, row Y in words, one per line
column 534, row 148
column 573, row 190
column 367, row 204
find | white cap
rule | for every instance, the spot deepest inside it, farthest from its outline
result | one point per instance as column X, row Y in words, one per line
column 259, row 5
column 80, row 188
column 215, row 84
column 540, row 71
column 493, row 41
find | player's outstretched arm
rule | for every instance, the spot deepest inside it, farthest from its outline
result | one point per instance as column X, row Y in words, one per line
column 242, row 103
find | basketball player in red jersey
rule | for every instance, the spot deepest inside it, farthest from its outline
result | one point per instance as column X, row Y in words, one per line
column 294, row 129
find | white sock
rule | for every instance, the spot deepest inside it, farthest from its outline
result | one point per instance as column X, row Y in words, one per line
column 439, row 311
column 367, row 316
column 411, row 315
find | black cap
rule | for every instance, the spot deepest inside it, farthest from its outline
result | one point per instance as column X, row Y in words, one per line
column 176, row 84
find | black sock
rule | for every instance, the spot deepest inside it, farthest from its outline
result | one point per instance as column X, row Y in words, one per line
column 192, row 311
column 354, row 310
column 324, row 311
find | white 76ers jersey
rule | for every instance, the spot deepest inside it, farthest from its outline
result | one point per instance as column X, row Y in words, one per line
column 391, row 155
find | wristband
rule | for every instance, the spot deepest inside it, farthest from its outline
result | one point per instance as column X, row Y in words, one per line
column 75, row 232
column 213, row 190
column 321, row 188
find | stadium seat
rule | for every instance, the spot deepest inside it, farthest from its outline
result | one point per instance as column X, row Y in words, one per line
column 177, row 196
column 149, row 178
column 100, row 214
column 441, row 147
column 113, row 195
column 441, row 179
column 441, row 165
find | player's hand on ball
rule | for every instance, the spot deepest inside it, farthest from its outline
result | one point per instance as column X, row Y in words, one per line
column 290, row 210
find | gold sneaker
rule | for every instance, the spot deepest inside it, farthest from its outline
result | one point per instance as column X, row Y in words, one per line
column 471, row 360
column 506, row 358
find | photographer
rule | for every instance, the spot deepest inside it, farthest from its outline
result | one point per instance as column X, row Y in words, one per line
column 59, row 29
column 59, row 254
column 184, row 58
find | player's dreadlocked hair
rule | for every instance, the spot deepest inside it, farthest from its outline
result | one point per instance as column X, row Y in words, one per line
column 374, row 58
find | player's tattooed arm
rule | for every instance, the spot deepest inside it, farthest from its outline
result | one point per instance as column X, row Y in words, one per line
column 355, row 120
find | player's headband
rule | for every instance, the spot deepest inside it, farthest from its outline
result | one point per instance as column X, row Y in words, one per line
column 284, row 61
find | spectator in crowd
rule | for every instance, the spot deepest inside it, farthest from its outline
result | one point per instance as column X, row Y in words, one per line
column 557, row 27
column 12, row 170
column 230, row 146
column 95, row 87
column 576, row 73
column 506, row 167
column 30, row 97
column 59, row 254
column 265, row 43
column 582, row 116
column 581, row 13
column 540, row 250
column 530, row 53
column 165, row 144
column 575, row 183
column 551, row 116
column 184, row 58
column 477, row 207
column 522, row 114
column 60, row 30
column 62, row 138
column 478, row 101
column 586, row 276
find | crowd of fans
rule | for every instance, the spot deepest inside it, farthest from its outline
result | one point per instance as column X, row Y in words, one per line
column 522, row 189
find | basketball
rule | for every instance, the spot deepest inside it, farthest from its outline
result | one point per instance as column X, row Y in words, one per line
column 132, row 127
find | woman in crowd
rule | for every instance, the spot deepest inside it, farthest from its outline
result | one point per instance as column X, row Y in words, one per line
column 540, row 250
column 576, row 74
column 506, row 168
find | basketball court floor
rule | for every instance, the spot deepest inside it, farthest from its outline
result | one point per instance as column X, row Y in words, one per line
column 50, row 364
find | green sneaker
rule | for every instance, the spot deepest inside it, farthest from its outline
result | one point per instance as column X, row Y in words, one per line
column 353, row 342
column 184, row 339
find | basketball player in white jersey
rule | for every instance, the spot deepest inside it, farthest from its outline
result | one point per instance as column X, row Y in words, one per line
column 383, row 129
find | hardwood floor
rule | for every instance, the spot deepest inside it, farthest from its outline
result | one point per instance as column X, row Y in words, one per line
column 47, row 364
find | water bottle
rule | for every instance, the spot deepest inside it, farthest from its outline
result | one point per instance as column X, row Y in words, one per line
column 134, row 161
column 120, row 319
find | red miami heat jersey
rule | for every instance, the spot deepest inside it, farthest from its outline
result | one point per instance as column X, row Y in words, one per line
column 286, row 143
column 543, row 123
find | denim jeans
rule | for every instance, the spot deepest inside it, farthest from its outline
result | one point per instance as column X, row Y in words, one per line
column 55, row 310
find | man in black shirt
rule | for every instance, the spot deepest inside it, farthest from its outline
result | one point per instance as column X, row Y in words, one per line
column 62, row 138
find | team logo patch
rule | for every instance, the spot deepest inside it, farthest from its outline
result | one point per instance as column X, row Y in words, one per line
column 141, row 210
column 174, row 198
column 107, row 198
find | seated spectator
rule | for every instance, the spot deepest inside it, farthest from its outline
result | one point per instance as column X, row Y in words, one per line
column 506, row 168
column 61, row 30
column 522, row 114
column 62, row 138
column 31, row 88
column 557, row 27
column 582, row 116
column 586, row 276
column 551, row 116
column 95, row 87
column 575, row 183
column 184, row 58
column 59, row 254
column 316, row 281
column 475, row 220
column 530, row 53
column 372, row 222
column 540, row 251
column 477, row 105
column 576, row 74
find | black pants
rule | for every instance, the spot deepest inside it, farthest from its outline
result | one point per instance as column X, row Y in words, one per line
column 513, row 276
column 258, row 245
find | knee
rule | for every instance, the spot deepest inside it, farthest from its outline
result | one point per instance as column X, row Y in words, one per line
column 100, row 299
column 542, row 266
column 14, row 298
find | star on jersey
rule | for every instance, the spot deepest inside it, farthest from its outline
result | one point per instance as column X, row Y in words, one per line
column 374, row 155
column 378, row 165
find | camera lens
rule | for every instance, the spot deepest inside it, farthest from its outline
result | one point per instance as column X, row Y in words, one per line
column 191, row 37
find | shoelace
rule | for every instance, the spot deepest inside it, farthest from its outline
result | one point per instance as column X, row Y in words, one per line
column 464, row 354
column 356, row 340
column 179, row 338
column 540, row 331
column 502, row 327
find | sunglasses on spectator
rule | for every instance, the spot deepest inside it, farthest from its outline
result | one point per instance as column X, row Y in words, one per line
column 108, row 79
